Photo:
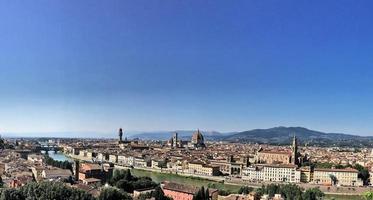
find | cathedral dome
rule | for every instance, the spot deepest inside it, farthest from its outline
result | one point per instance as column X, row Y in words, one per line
column 197, row 138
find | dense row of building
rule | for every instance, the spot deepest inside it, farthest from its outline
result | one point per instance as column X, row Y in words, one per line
column 195, row 158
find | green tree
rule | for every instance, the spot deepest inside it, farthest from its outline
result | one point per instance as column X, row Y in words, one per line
column 53, row 191
column 59, row 164
column 272, row 189
column 245, row 190
column 291, row 191
column 288, row 191
column 363, row 173
column 13, row 194
column 124, row 185
column 201, row 194
column 313, row 194
column 368, row 195
column 158, row 194
column 119, row 174
column 262, row 190
column 333, row 178
column 123, row 179
column 112, row 193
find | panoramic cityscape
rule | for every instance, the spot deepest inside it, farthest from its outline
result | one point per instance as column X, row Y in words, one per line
column 186, row 100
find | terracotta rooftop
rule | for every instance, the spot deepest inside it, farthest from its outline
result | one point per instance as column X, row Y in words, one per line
column 183, row 188
column 275, row 152
column 337, row 170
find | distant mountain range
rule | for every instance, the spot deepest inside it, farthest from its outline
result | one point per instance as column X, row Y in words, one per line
column 182, row 134
column 283, row 135
column 277, row 135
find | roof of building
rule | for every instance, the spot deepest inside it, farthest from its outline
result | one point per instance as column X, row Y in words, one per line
column 183, row 188
column 280, row 165
column 337, row 170
column 57, row 172
column 275, row 152
column 91, row 180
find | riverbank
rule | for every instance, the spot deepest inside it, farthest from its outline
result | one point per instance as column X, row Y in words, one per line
column 232, row 185
column 188, row 180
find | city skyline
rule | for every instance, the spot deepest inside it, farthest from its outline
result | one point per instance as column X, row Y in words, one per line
column 90, row 66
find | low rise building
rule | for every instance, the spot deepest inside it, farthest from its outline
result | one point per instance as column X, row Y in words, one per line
column 56, row 174
column 140, row 162
column 343, row 177
column 126, row 160
column 113, row 158
column 35, row 158
column 90, row 170
column 272, row 173
column 200, row 168
column 184, row 192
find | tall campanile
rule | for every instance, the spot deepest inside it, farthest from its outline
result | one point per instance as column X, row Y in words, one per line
column 120, row 133
column 294, row 149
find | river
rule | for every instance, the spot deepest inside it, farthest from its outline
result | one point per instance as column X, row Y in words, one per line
column 57, row 156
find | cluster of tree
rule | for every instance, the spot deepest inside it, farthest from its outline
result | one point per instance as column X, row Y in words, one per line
column 157, row 194
column 290, row 192
column 368, row 195
column 202, row 194
column 46, row 191
column 245, row 190
column 60, row 164
column 112, row 193
column 221, row 191
column 124, row 180
column 363, row 173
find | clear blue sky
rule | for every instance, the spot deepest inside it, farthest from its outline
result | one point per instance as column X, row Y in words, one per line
column 165, row 65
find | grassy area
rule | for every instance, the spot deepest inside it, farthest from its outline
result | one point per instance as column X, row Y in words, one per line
column 188, row 180
column 343, row 197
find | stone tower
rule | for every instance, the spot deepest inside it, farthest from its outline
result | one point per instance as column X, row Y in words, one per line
column 294, row 151
column 175, row 140
column 76, row 169
column 120, row 135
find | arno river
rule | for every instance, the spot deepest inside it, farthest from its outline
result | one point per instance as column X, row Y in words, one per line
column 57, row 156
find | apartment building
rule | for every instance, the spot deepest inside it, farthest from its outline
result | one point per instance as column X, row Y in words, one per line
column 343, row 177
column 272, row 173
column 200, row 168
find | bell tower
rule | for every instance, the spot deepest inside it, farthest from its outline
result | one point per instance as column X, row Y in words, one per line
column 120, row 133
column 294, row 153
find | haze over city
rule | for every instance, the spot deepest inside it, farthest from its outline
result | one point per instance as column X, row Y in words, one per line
column 91, row 66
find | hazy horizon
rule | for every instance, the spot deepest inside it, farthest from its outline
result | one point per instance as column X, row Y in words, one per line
column 133, row 133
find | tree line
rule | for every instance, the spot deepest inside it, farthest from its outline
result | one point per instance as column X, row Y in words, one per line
column 55, row 163
column 288, row 191
column 125, row 182
column 44, row 190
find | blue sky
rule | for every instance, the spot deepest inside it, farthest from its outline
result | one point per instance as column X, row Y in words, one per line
column 95, row 66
